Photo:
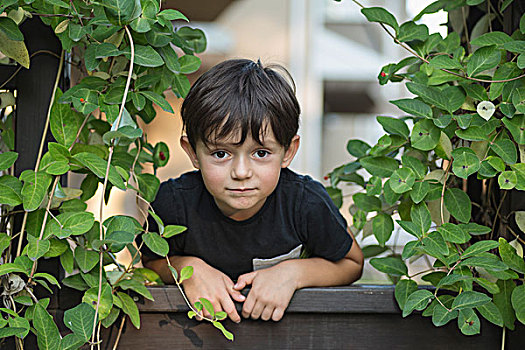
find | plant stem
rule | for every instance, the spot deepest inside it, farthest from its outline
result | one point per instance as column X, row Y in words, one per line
column 465, row 28
column 46, row 127
column 503, row 338
column 497, row 213
column 119, row 333
column 442, row 200
column 110, row 156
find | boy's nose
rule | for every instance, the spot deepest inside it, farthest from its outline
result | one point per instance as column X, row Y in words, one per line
column 241, row 169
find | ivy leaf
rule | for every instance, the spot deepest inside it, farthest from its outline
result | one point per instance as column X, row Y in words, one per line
column 516, row 126
column 379, row 166
column 158, row 100
column 106, row 299
column 148, row 186
column 507, row 70
column 507, row 180
column 219, row 326
column 86, row 259
column 465, row 162
column 506, row 150
column 390, row 265
column 443, row 61
column 172, row 15
column 186, row 273
column 98, row 166
column 518, row 302
column 458, row 204
column 414, row 107
column 509, row 256
column 394, row 126
column 64, row 122
column 449, row 99
column 36, row 248
column 10, row 190
column 382, row 226
column 453, row 233
column 435, row 244
column 504, row 303
column 479, row 247
column 402, row 180
column 411, row 31
column 145, row 56
column 468, row 322
column 492, row 38
column 7, row 159
column 367, row 203
column 487, row 261
column 403, row 289
column 80, row 320
column 425, row 135
column 484, row 58
column 419, row 191
column 34, row 189
column 172, row 230
column 420, row 216
column 189, row 64
column 357, row 148
column 14, row 49
column 417, row 301
column 441, row 316
column 380, row 15
column 491, row 313
column 156, row 243
column 48, row 337
column 121, row 12
column 10, row 29
column 469, row 299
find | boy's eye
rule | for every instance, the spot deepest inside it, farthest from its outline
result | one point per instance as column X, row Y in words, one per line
column 261, row 153
column 219, row 154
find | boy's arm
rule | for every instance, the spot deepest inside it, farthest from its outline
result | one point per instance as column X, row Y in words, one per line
column 273, row 288
column 206, row 282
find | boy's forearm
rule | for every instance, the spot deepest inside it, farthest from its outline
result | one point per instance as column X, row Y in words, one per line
column 160, row 266
column 319, row 272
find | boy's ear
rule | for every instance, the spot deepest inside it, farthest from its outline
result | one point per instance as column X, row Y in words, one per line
column 186, row 146
column 289, row 154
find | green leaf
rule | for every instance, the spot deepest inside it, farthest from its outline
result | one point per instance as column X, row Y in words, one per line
column 411, row 228
column 10, row 29
column 504, row 304
column 156, row 243
column 172, row 230
column 372, row 250
column 15, row 49
column 479, row 247
column 34, row 189
column 10, row 268
column 148, row 186
column 380, row 15
column 186, row 273
column 470, row 299
column 135, row 286
column 80, row 320
column 145, row 56
column 516, row 126
column 36, row 248
column 475, row 229
column 367, row 203
column 67, row 261
column 158, row 100
column 491, row 313
column 420, row 216
column 435, row 244
column 402, row 180
column 219, row 326
column 507, row 70
column 445, row 62
column 172, row 15
column 208, row 306
column 468, row 322
column 121, row 12
column 7, row 159
column 449, row 99
column 106, row 299
column 64, row 122
column 465, row 162
column 71, row 341
column 47, row 334
column 417, row 301
column 506, row 150
column 453, row 233
column 414, row 107
column 518, row 302
column 382, row 226
column 379, row 166
column 10, row 190
column 507, row 180
column 419, row 191
column 404, row 288
column 510, row 257
column 390, row 265
column 458, row 204
column 492, row 38
column 357, row 148
column 411, row 31
column 517, row 46
column 487, row 261
column 441, row 316
column 425, row 135
column 394, row 126
column 483, row 59
column 98, row 166
column 86, row 259
column 189, row 64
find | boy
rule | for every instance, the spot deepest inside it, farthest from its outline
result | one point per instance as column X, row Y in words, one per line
column 248, row 216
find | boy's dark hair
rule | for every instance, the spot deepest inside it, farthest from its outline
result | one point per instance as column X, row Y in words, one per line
column 241, row 94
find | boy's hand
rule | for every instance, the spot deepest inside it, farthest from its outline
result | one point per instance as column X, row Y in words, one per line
column 215, row 286
column 272, row 289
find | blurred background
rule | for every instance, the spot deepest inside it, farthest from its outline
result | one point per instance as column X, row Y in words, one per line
column 334, row 56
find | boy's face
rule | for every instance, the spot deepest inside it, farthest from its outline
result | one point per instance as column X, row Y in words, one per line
column 241, row 177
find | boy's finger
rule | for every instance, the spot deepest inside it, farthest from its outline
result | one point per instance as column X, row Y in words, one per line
column 257, row 311
column 248, row 306
column 229, row 308
column 244, row 280
column 237, row 296
column 277, row 314
column 267, row 313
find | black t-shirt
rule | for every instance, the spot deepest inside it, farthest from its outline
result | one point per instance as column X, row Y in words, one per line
column 299, row 212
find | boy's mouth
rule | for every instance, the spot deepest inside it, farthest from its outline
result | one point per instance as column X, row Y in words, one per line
column 241, row 190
